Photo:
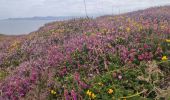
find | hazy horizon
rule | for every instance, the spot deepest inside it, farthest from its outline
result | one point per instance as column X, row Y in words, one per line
column 31, row 8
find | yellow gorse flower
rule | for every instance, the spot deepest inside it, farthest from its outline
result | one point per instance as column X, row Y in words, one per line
column 128, row 29
column 164, row 58
column 93, row 96
column 110, row 91
column 53, row 92
column 90, row 94
column 168, row 40
column 14, row 45
column 101, row 84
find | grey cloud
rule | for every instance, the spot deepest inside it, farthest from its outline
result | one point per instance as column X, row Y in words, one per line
column 24, row 8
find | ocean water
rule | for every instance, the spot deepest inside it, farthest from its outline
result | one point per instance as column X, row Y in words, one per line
column 18, row 27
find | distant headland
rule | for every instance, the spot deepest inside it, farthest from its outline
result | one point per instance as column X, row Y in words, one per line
column 44, row 18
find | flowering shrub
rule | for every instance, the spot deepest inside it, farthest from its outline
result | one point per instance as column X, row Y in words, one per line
column 111, row 57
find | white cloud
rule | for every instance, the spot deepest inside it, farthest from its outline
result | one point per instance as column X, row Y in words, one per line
column 23, row 8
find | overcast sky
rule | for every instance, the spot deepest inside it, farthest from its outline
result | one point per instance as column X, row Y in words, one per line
column 29, row 8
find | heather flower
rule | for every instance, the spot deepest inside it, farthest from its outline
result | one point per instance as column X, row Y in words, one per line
column 74, row 95
column 76, row 76
column 146, row 46
column 63, row 71
column 66, row 95
column 140, row 57
column 83, row 85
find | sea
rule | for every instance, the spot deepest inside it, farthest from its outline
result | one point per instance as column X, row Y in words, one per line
column 20, row 27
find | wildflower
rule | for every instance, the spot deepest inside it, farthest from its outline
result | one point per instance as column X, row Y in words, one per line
column 53, row 92
column 120, row 77
column 168, row 40
column 74, row 95
column 146, row 46
column 93, row 96
column 82, row 84
column 140, row 57
column 76, row 76
column 110, row 91
column 88, row 93
column 164, row 58
column 66, row 94
column 101, row 84
column 128, row 29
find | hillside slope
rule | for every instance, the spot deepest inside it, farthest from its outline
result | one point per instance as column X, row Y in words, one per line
column 110, row 57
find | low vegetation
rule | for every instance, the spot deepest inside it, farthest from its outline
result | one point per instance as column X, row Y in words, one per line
column 123, row 57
